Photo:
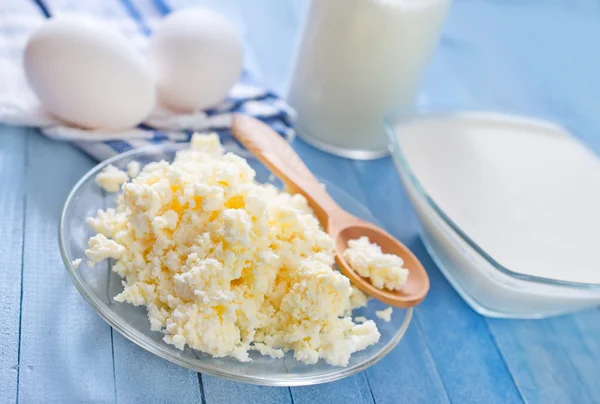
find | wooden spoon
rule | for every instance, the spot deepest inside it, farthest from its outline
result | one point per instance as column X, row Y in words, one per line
column 275, row 153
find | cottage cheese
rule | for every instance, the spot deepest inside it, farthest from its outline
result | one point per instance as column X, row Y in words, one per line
column 76, row 263
column 383, row 270
column 358, row 299
column 101, row 248
column 226, row 265
column 133, row 169
column 111, row 178
column 385, row 315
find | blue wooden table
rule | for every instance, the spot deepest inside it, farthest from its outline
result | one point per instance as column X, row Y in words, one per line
column 537, row 57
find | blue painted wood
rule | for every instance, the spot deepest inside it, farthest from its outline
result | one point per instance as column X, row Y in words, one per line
column 408, row 373
column 13, row 144
column 65, row 347
column 142, row 377
column 457, row 337
column 138, row 375
column 337, row 170
column 553, row 356
column 554, row 360
column 411, row 360
column 507, row 55
column 220, row 391
column 353, row 389
column 410, row 364
column 214, row 389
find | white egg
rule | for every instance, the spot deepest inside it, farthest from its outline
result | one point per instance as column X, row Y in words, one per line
column 88, row 75
column 196, row 56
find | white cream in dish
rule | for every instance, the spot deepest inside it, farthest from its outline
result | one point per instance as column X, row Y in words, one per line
column 526, row 193
column 226, row 265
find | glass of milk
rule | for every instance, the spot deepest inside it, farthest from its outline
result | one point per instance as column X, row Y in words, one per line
column 357, row 60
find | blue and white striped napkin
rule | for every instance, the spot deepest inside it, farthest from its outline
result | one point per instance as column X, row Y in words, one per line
column 135, row 19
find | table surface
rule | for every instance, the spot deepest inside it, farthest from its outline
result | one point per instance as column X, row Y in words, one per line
column 537, row 57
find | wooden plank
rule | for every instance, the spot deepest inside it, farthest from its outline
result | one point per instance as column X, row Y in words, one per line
column 409, row 366
column 544, row 362
column 381, row 184
column 216, row 389
column 142, row 377
column 213, row 388
column 353, row 389
column 65, row 347
column 405, row 364
column 408, row 374
column 554, row 360
column 449, row 324
column 411, row 359
column 220, row 391
column 339, row 172
column 557, row 359
column 139, row 375
column 457, row 337
column 13, row 144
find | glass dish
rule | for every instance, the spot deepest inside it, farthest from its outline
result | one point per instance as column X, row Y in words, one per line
column 99, row 285
column 488, row 287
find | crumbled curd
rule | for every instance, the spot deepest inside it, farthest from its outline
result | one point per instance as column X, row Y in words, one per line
column 385, row 314
column 111, row 178
column 383, row 270
column 226, row 265
column 133, row 169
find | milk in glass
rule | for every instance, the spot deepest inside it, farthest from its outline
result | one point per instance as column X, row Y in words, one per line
column 357, row 60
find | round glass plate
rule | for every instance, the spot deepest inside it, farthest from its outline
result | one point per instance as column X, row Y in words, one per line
column 99, row 285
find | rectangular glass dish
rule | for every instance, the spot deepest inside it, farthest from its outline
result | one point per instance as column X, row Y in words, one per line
column 488, row 287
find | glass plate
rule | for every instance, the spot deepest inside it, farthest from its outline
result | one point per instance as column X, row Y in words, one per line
column 99, row 285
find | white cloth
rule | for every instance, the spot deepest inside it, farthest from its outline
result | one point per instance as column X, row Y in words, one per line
column 19, row 105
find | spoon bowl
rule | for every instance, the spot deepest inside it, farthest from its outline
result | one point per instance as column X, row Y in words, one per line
column 275, row 153
column 416, row 287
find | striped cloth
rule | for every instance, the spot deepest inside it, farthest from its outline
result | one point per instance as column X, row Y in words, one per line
column 135, row 19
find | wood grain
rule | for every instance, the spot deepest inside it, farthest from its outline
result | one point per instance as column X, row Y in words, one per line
column 457, row 337
column 142, row 377
column 409, row 366
column 13, row 152
column 353, row 389
column 553, row 360
column 222, row 391
column 340, row 172
column 535, row 57
column 65, row 347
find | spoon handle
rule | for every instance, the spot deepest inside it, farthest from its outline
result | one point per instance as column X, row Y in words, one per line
column 277, row 154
